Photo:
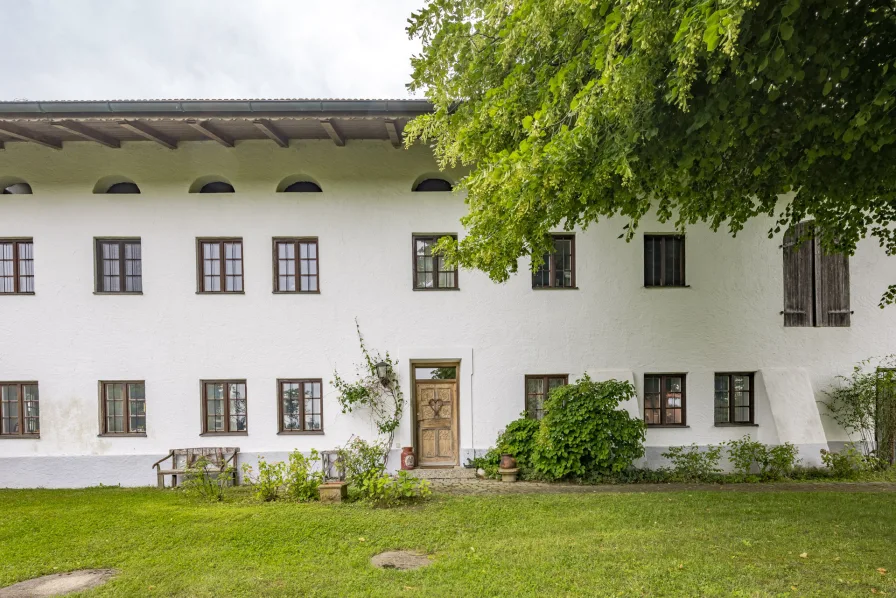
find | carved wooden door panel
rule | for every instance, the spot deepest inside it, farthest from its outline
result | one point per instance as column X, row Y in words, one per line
column 436, row 422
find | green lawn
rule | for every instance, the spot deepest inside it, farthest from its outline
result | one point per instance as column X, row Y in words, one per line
column 694, row 543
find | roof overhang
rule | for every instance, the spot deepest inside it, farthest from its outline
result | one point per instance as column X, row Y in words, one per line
column 169, row 122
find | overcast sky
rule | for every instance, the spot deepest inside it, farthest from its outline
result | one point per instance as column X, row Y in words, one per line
column 121, row 49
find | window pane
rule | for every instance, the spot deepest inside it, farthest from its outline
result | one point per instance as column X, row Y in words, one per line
column 542, row 276
column 9, row 409
column 237, row 397
column 137, row 407
column 652, row 261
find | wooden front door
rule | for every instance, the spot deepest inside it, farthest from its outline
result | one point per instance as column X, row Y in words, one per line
column 436, row 407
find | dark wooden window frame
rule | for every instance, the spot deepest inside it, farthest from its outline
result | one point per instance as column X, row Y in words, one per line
column 122, row 270
column 437, row 260
column 200, row 279
column 684, row 259
column 276, row 264
column 16, row 283
column 552, row 266
column 684, row 400
column 204, row 408
column 303, row 431
column 127, row 408
column 544, row 378
column 731, row 410
column 21, row 409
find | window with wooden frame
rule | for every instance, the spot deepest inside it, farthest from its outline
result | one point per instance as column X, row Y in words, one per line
column 123, row 408
column 19, row 410
column 538, row 388
column 119, row 266
column 558, row 271
column 816, row 283
column 224, row 407
column 16, row 266
column 430, row 271
column 734, row 402
column 220, row 265
column 295, row 265
column 301, row 406
column 664, row 261
column 664, row 399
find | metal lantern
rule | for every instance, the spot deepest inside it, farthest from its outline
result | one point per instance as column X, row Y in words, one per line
column 383, row 371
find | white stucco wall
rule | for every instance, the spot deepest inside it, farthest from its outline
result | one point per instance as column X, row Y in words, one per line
column 67, row 338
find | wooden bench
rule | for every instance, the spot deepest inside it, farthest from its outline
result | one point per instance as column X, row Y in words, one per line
column 182, row 459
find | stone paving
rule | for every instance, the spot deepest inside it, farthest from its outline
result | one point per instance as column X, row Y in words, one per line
column 478, row 486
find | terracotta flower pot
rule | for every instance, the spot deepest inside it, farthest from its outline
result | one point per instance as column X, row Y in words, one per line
column 507, row 462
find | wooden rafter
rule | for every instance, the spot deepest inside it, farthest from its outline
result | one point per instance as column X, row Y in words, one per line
column 148, row 132
column 86, row 132
column 335, row 135
column 22, row 134
column 394, row 135
column 203, row 127
column 268, row 128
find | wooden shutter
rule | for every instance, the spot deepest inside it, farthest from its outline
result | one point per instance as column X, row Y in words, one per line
column 798, row 276
column 831, row 288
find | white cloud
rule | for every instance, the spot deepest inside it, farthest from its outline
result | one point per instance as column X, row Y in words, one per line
column 105, row 49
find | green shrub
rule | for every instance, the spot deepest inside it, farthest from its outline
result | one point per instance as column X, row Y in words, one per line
column 266, row 485
column 848, row 464
column 206, row 481
column 389, row 491
column 300, row 480
column 488, row 463
column 363, row 462
column 518, row 440
column 690, row 464
column 584, row 431
column 771, row 463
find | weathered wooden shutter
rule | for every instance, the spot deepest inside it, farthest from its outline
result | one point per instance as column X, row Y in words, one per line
column 798, row 276
column 831, row 288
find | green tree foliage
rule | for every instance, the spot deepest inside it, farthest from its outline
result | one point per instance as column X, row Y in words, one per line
column 584, row 431
column 704, row 111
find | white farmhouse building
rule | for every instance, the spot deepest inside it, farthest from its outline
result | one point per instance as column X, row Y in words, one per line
column 174, row 273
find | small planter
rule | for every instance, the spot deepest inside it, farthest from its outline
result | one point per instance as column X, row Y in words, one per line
column 507, row 462
column 332, row 492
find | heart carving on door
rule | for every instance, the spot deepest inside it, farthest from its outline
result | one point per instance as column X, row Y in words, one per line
column 436, row 406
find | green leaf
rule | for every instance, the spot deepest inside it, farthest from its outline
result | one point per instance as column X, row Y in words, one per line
column 786, row 31
column 527, row 123
column 779, row 54
column 790, row 8
column 827, row 88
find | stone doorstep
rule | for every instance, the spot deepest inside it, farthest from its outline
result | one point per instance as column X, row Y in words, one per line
column 447, row 473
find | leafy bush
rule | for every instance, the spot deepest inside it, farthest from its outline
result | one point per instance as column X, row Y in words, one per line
column 207, row 481
column 771, row 463
column 300, row 480
column 780, row 461
column 690, row 464
column 848, row 464
column 488, row 462
column 518, row 440
column 584, row 431
column 362, row 460
column 266, row 485
column 388, row 491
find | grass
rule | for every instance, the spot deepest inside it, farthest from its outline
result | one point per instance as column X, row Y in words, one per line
column 656, row 544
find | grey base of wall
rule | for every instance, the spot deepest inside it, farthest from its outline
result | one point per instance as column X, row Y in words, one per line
column 136, row 470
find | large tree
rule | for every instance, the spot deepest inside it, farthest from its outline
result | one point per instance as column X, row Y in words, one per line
column 567, row 111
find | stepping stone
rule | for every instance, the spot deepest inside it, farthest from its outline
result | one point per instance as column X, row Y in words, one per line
column 400, row 559
column 58, row 584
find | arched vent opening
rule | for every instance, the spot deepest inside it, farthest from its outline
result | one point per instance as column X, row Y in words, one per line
column 433, row 185
column 123, row 188
column 16, row 189
column 217, row 187
column 303, row 187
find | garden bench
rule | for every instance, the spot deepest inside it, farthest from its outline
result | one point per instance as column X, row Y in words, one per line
column 182, row 459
